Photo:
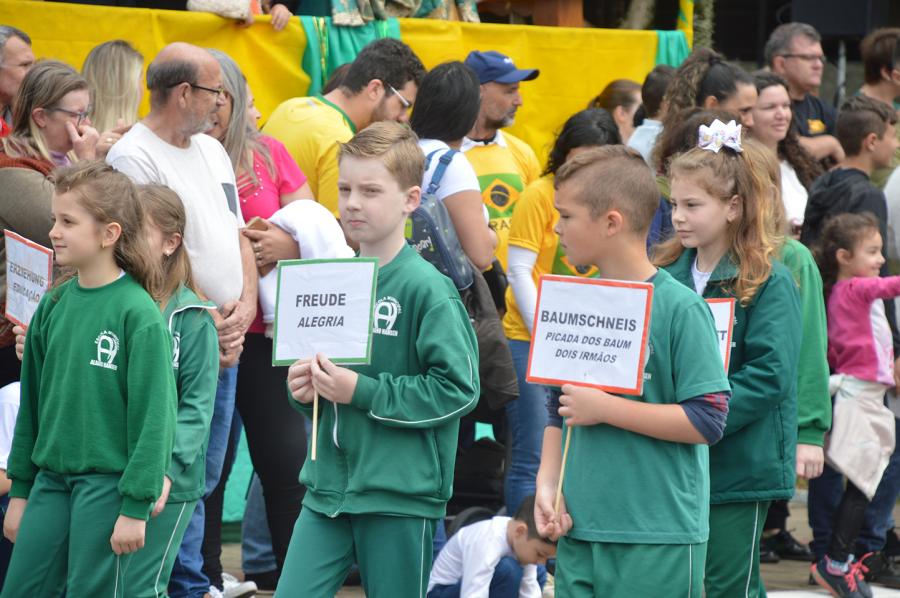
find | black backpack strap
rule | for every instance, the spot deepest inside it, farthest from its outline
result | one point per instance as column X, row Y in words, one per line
column 443, row 163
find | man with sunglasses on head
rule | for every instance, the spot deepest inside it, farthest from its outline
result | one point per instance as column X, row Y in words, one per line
column 381, row 84
column 16, row 58
column 169, row 148
column 794, row 51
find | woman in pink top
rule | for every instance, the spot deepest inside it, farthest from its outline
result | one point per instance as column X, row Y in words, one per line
column 860, row 353
column 268, row 179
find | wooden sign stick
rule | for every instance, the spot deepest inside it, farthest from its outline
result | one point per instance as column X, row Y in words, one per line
column 562, row 471
column 315, row 423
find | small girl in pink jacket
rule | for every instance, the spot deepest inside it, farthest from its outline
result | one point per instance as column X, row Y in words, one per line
column 861, row 356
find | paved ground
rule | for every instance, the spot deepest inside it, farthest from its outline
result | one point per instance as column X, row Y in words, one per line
column 787, row 579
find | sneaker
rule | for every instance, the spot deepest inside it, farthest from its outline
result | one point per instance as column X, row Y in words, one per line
column 842, row 585
column 232, row 588
column 787, row 547
column 265, row 582
column 767, row 555
column 213, row 592
column 892, row 544
column 881, row 570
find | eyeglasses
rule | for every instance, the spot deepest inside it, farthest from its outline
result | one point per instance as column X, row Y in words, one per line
column 81, row 116
column 218, row 91
column 406, row 103
column 807, row 57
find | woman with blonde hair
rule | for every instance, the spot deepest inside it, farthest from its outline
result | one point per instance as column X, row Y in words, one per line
column 113, row 72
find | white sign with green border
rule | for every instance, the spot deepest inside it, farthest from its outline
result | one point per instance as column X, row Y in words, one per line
column 325, row 306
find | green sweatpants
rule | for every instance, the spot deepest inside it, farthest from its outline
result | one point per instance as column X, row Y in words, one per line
column 151, row 566
column 616, row 570
column 732, row 561
column 393, row 553
column 63, row 540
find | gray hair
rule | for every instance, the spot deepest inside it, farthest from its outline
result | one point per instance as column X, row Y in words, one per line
column 780, row 40
column 163, row 76
column 241, row 138
column 8, row 31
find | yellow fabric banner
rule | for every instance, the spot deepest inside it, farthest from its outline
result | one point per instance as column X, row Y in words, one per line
column 575, row 63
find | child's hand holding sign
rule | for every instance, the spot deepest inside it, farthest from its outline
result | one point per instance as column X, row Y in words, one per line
column 335, row 383
column 583, row 406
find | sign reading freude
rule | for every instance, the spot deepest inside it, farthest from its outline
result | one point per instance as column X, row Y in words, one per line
column 325, row 306
column 590, row 332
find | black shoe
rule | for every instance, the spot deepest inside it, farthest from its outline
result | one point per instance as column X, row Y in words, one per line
column 767, row 555
column 892, row 544
column 881, row 570
column 787, row 547
column 847, row 585
column 265, row 582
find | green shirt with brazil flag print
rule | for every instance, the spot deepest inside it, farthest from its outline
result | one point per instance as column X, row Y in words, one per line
column 98, row 395
column 629, row 488
column 392, row 449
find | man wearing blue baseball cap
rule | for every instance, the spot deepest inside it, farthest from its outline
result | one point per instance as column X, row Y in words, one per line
column 505, row 165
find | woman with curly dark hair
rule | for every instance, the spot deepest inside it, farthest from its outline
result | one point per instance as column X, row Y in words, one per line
column 706, row 80
column 774, row 127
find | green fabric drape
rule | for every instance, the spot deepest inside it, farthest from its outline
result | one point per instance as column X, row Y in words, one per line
column 671, row 48
column 329, row 46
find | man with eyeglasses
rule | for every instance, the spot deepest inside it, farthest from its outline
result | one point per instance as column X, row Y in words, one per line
column 381, row 84
column 16, row 58
column 169, row 148
column 794, row 51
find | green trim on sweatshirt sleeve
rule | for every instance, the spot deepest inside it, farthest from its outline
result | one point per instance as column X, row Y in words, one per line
column 150, row 416
column 448, row 386
column 198, row 374
column 136, row 509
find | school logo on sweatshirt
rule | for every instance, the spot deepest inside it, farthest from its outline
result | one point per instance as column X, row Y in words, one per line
column 107, row 348
column 176, row 349
column 386, row 311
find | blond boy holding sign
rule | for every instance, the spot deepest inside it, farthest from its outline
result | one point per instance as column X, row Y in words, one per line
column 636, row 487
column 384, row 469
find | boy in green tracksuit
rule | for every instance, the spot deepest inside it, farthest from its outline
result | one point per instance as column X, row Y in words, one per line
column 93, row 437
column 634, row 516
column 387, row 443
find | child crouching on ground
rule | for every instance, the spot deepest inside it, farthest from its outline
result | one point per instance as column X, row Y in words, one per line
column 496, row 558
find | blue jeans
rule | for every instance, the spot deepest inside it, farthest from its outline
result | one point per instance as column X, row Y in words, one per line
column 256, row 541
column 526, row 417
column 504, row 584
column 188, row 580
column 825, row 494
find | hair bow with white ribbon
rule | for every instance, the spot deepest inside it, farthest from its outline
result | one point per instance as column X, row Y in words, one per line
column 719, row 135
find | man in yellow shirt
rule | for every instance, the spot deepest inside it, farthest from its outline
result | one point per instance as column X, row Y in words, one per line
column 505, row 165
column 381, row 84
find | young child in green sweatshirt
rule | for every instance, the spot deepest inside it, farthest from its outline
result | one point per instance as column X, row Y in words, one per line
column 195, row 362
column 387, row 443
column 94, row 435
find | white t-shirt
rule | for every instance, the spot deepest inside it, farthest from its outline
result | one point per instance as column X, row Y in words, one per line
column 202, row 176
column 472, row 554
column 459, row 176
column 9, row 410
column 793, row 194
column 700, row 278
column 318, row 235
